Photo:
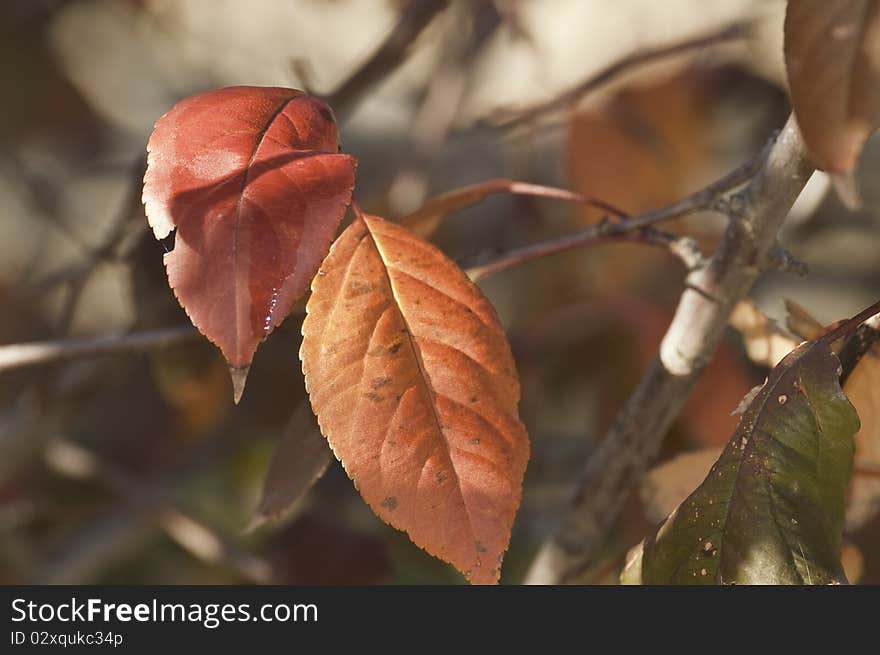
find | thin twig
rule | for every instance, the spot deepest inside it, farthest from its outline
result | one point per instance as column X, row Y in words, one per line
column 632, row 228
column 710, row 294
column 427, row 218
column 19, row 355
column 572, row 96
column 684, row 248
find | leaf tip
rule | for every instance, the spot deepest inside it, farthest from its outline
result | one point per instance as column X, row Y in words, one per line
column 847, row 189
column 239, row 378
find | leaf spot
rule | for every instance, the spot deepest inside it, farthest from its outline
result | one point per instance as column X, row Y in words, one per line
column 378, row 383
column 390, row 503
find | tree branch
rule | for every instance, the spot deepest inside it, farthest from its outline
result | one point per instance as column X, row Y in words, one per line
column 757, row 213
column 684, row 248
column 629, row 228
column 18, row 355
column 572, row 96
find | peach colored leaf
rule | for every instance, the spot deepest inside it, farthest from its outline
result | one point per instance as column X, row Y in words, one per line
column 412, row 380
column 251, row 180
column 832, row 54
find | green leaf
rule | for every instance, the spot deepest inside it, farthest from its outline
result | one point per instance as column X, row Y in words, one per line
column 772, row 507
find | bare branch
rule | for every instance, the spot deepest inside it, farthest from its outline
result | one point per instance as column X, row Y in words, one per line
column 631, row 229
column 684, row 248
column 19, row 355
column 697, row 327
column 572, row 96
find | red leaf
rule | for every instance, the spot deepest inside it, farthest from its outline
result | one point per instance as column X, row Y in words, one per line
column 414, row 385
column 251, row 179
column 832, row 51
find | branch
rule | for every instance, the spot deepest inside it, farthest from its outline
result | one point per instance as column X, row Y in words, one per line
column 29, row 354
column 425, row 220
column 572, row 96
column 757, row 213
column 415, row 18
column 630, row 228
column 684, row 248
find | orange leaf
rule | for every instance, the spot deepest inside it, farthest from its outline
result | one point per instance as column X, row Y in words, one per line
column 414, row 386
column 832, row 50
column 251, row 179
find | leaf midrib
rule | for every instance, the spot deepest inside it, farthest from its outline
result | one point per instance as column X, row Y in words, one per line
column 423, row 375
column 236, row 220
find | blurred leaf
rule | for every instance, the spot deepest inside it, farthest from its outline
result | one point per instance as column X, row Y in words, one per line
column 251, row 180
column 300, row 459
column 831, row 54
column 429, row 431
column 801, row 322
column 195, row 382
column 771, row 509
column 643, row 149
column 315, row 551
column 765, row 342
column 666, row 486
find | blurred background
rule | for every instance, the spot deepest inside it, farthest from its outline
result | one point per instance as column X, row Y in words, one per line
column 133, row 466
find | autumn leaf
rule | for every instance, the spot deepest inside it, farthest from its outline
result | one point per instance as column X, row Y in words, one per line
column 414, row 386
column 652, row 134
column 771, row 510
column 251, row 180
column 832, row 54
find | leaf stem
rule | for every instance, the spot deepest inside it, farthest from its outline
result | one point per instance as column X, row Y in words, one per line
column 851, row 324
